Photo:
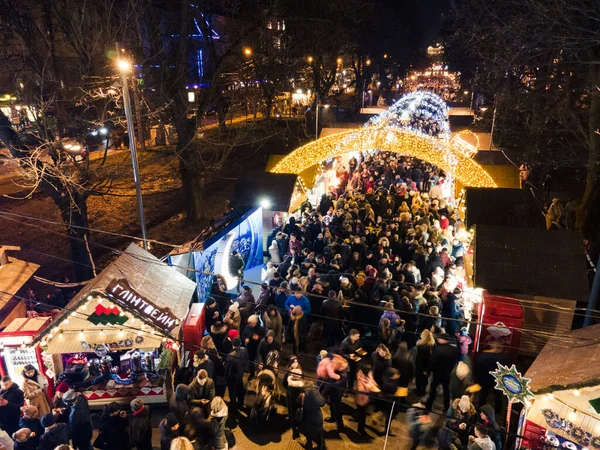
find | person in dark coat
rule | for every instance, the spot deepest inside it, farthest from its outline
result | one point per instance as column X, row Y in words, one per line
column 297, row 330
column 202, row 390
column 487, row 361
column 443, row 359
column 200, row 430
column 80, row 420
column 487, row 419
column 403, row 362
column 212, row 314
column 55, row 434
column 59, row 408
column 140, row 428
column 266, row 346
column 351, row 349
column 113, row 429
column 202, row 361
column 178, row 404
column 333, row 313
column 11, row 400
column 25, row 439
column 236, row 364
column 30, row 419
column 312, row 418
column 169, row 430
column 381, row 359
column 461, row 418
column 251, row 337
column 424, row 348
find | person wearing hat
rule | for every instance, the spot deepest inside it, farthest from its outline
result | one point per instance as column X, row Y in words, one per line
column 273, row 321
column 297, row 330
column 24, row 439
column 31, row 420
column 55, row 433
column 442, row 362
column 236, row 364
column 253, row 333
column 232, row 318
column 266, row 346
column 34, row 389
column 461, row 417
column 294, row 386
column 212, row 313
column 228, row 341
column 80, row 420
column 140, row 428
column 113, row 429
column 202, row 361
column 202, row 389
column 169, row 430
column 59, row 408
column 247, row 304
column 218, row 418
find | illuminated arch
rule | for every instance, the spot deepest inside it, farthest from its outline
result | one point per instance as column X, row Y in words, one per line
column 391, row 139
column 420, row 111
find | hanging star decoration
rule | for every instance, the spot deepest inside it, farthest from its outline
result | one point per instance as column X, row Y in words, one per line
column 512, row 383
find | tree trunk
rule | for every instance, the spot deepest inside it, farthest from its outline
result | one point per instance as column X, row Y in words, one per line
column 72, row 205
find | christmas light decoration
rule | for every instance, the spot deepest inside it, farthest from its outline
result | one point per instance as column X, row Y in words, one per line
column 419, row 111
column 392, row 139
column 468, row 148
column 107, row 315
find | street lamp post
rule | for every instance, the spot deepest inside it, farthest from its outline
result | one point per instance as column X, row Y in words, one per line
column 124, row 67
column 316, row 115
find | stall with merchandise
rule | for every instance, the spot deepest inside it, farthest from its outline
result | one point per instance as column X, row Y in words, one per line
column 565, row 379
column 18, row 350
column 116, row 336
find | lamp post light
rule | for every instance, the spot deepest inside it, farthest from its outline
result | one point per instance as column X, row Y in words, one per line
column 125, row 67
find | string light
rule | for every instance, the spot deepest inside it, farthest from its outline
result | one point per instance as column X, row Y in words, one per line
column 81, row 335
column 576, row 393
column 405, row 142
column 101, row 333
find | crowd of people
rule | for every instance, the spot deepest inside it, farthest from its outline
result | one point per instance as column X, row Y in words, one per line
column 373, row 275
column 371, row 278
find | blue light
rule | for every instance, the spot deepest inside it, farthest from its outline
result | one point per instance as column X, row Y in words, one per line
column 200, row 64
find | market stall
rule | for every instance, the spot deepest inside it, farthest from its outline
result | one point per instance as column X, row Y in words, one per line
column 565, row 379
column 115, row 336
column 18, row 350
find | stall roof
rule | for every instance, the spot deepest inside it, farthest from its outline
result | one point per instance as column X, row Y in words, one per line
column 501, row 206
column 567, row 362
column 14, row 273
column 523, row 261
column 254, row 186
column 149, row 277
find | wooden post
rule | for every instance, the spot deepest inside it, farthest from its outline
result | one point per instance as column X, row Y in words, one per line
column 508, row 414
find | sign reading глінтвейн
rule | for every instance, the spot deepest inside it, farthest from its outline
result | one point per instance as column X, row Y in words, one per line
column 122, row 292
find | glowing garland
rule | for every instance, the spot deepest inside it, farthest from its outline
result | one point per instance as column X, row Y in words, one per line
column 419, row 111
column 391, row 139
column 465, row 147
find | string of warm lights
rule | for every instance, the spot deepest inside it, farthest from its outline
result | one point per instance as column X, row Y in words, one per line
column 391, row 139
column 459, row 141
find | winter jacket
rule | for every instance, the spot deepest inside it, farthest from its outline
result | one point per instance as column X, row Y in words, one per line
column 166, row 435
column 379, row 366
column 443, row 360
column 178, row 404
column 482, row 444
column 274, row 323
column 297, row 329
column 406, row 367
column 493, row 429
column 423, row 358
column 486, row 363
column 55, row 436
column 302, row 302
column 458, row 388
column 417, row 429
column 455, row 417
column 80, row 420
column 140, row 429
column 312, row 402
column 236, row 364
column 463, row 343
column 34, row 425
column 448, row 439
column 333, row 313
column 13, row 395
column 348, row 347
column 113, row 433
column 200, row 392
column 35, row 393
column 219, row 440
column 264, row 348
